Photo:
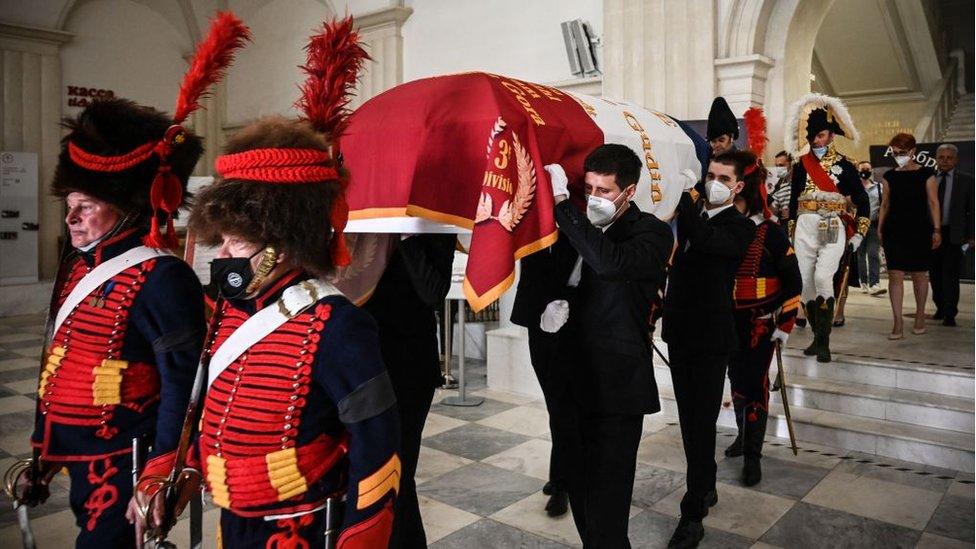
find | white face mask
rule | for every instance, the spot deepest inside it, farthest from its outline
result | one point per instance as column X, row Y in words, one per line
column 902, row 160
column 819, row 151
column 779, row 171
column 718, row 193
column 600, row 211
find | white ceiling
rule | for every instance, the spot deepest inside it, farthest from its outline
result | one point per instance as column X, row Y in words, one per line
column 875, row 48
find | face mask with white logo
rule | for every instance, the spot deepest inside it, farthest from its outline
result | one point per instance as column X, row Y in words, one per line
column 600, row 211
column 902, row 160
column 819, row 152
column 717, row 192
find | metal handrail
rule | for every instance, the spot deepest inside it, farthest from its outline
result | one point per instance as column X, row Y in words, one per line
column 940, row 106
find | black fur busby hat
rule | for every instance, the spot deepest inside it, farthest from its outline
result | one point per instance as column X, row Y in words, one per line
column 721, row 120
column 138, row 158
column 115, row 128
column 291, row 217
column 279, row 182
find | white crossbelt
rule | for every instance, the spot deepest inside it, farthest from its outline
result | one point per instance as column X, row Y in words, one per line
column 294, row 301
column 101, row 274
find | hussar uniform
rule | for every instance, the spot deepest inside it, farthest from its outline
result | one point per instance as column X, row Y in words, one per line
column 767, row 298
column 821, row 228
column 299, row 433
column 129, row 327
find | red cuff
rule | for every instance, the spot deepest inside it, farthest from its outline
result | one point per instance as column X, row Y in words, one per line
column 156, row 469
column 370, row 533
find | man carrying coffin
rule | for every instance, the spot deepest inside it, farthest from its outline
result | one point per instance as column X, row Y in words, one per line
column 604, row 346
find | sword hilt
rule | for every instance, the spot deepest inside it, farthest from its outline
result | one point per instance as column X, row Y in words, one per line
column 34, row 492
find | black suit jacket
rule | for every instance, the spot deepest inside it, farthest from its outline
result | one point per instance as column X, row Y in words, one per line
column 413, row 286
column 961, row 209
column 698, row 304
column 542, row 279
column 605, row 343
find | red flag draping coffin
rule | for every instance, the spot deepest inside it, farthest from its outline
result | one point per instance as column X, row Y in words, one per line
column 469, row 150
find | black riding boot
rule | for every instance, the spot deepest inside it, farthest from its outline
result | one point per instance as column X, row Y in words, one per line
column 825, row 317
column 811, row 311
column 754, row 433
column 735, row 449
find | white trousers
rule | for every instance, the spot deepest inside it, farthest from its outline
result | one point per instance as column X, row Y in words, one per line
column 818, row 262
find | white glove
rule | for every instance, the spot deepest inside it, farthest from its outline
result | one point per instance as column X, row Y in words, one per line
column 555, row 315
column 779, row 335
column 855, row 241
column 558, row 179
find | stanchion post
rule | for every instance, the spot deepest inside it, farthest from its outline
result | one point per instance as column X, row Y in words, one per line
column 449, row 381
column 461, row 399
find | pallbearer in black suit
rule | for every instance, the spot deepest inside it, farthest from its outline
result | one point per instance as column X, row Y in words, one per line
column 604, row 347
column 541, row 305
column 413, row 286
column 767, row 297
column 699, row 328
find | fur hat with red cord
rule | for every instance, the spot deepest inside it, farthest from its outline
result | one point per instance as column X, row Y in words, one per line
column 280, row 182
column 137, row 158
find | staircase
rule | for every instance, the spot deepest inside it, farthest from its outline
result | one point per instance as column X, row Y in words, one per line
column 960, row 126
column 923, row 413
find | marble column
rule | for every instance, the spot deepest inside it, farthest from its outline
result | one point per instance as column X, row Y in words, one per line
column 660, row 54
column 30, row 81
column 381, row 33
column 742, row 81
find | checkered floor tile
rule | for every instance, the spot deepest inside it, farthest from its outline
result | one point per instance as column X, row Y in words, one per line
column 482, row 470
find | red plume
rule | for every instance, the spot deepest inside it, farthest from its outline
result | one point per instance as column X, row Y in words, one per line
column 213, row 56
column 755, row 120
column 334, row 59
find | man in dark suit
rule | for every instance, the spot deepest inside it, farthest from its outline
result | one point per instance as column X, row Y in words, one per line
column 604, row 347
column 956, row 205
column 699, row 327
column 413, row 286
column 543, row 280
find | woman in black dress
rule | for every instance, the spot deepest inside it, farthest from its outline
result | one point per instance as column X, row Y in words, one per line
column 909, row 229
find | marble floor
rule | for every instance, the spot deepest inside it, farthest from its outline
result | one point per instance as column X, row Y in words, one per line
column 482, row 470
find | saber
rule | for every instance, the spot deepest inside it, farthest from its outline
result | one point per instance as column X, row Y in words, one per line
column 660, row 354
column 781, row 383
column 136, row 470
column 23, row 521
column 842, row 291
column 331, row 523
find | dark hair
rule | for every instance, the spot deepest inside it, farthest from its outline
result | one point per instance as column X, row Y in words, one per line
column 616, row 160
column 789, row 157
column 868, row 162
column 293, row 218
column 752, row 190
column 903, row 141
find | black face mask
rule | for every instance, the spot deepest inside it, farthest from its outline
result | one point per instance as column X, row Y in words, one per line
column 232, row 275
column 865, row 174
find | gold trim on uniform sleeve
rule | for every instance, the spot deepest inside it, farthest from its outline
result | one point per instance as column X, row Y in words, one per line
column 863, row 224
column 375, row 486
